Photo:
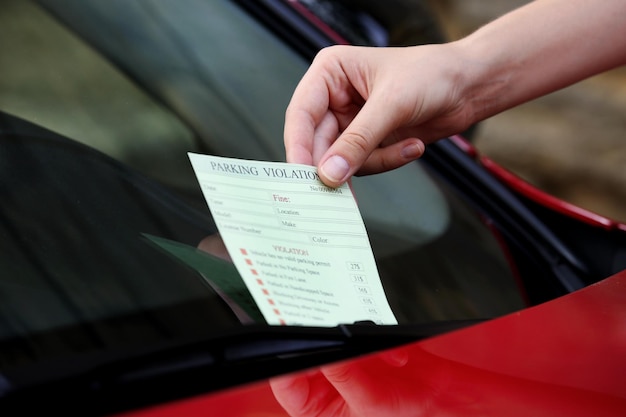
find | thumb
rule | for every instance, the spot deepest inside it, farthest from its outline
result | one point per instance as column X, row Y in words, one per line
column 376, row 120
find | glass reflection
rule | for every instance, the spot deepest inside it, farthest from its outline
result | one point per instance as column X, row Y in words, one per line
column 410, row 381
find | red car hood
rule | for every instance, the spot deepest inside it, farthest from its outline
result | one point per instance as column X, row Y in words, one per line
column 565, row 357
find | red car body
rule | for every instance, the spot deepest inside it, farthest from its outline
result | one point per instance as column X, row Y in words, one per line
column 562, row 358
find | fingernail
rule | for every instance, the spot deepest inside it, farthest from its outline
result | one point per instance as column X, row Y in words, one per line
column 413, row 150
column 335, row 168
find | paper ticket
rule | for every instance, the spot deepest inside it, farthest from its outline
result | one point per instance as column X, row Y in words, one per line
column 301, row 247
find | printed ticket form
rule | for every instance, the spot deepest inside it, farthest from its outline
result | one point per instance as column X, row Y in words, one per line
column 301, row 247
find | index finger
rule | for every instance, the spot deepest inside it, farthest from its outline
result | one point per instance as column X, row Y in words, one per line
column 298, row 135
column 309, row 103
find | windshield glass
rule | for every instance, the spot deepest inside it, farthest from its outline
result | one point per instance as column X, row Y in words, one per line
column 102, row 214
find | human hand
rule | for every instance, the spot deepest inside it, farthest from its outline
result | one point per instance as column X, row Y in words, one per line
column 410, row 381
column 398, row 383
column 361, row 110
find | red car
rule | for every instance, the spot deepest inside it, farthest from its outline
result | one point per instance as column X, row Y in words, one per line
column 564, row 357
column 508, row 300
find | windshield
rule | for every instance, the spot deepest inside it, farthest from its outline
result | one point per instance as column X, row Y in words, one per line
column 101, row 214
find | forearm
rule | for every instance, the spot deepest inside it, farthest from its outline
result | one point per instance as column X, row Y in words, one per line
column 540, row 48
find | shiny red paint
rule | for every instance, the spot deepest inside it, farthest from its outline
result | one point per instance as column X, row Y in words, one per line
column 533, row 193
column 465, row 145
column 546, row 199
column 504, row 247
column 320, row 24
column 566, row 357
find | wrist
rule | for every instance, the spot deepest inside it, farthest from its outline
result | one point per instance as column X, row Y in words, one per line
column 485, row 78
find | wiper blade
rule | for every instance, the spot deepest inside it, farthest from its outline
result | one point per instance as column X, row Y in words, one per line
column 286, row 348
column 362, row 337
column 236, row 356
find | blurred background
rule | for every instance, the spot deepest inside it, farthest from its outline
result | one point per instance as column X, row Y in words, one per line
column 571, row 143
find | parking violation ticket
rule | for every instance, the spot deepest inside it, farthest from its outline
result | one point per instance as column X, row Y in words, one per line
column 301, row 247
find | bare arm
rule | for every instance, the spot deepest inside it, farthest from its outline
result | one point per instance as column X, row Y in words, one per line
column 367, row 110
column 540, row 48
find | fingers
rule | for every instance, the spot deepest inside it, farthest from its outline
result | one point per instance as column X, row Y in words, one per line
column 302, row 150
column 324, row 136
column 292, row 392
column 380, row 160
column 300, row 130
column 392, row 156
column 357, row 148
column 346, row 105
column 305, row 394
column 308, row 111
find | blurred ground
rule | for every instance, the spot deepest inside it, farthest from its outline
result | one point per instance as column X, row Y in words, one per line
column 571, row 143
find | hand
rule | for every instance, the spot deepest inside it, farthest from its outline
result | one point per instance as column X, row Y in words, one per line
column 361, row 110
column 397, row 383
column 410, row 382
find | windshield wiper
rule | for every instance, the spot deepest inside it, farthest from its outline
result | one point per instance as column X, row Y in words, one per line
column 234, row 357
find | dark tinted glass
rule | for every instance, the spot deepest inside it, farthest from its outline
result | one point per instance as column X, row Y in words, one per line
column 99, row 222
